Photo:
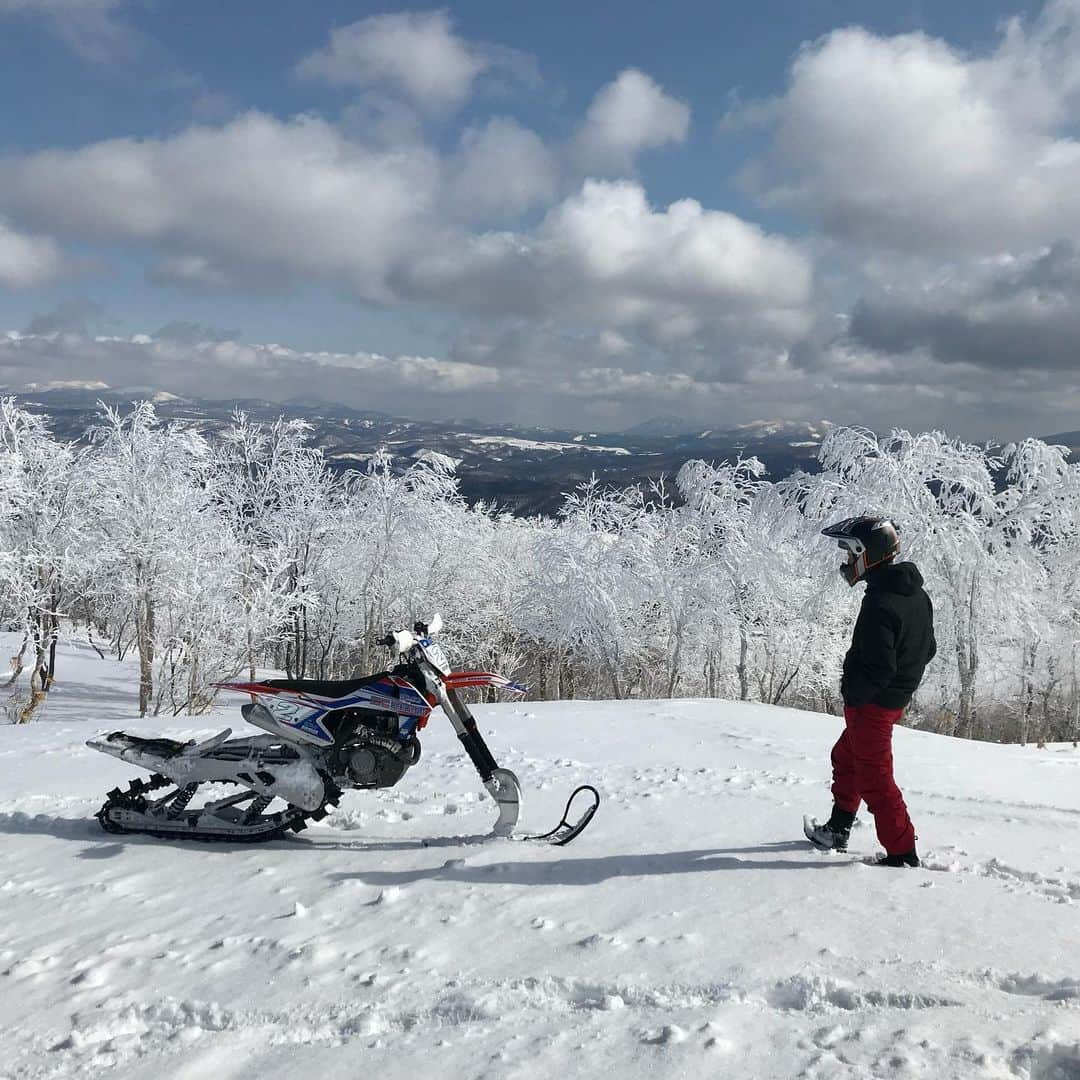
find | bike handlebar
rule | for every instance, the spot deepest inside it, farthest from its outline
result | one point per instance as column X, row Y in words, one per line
column 420, row 630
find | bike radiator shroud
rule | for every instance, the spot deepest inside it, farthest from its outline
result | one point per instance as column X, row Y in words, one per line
column 369, row 749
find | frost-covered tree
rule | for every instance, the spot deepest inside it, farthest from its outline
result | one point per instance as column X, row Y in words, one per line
column 721, row 498
column 41, row 537
column 582, row 587
column 265, row 476
column 150, row 489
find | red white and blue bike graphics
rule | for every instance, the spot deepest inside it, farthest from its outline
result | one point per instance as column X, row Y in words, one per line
column 309, row 715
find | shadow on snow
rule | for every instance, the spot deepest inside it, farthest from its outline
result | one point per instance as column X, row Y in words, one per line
column 556, row 871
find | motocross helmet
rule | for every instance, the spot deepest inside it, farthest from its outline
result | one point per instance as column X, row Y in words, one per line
column 868, row 541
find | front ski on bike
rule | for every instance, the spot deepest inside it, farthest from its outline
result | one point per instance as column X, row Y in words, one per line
column 568, row 830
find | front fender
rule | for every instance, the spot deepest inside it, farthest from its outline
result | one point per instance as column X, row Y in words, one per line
column 461, row 680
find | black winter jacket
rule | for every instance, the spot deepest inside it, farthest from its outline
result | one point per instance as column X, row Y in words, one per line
column 893, row 640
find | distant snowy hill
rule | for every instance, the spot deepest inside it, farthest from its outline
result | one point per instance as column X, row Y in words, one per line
column 524, row 469
column 690, row 932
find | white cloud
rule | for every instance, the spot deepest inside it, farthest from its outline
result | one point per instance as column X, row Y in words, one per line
column 417, row 53
column 907, row 143
column 630, row 114
column 435, row 387
column 853, row 384
column 501, row 169
column 605, row 257
column 258, row 201
column 252, row 198
column 26, row 261
column 948, row 188
column 1020, row 315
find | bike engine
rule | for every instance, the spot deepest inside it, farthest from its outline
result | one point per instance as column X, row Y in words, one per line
column 376, row 761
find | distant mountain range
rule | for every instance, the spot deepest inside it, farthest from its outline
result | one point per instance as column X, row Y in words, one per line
column 523, row 469
column 1071, row 439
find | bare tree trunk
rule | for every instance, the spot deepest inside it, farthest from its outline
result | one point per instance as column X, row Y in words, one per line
column 121, row 648
column 744, row 681
column 1075, row 703
column 1027, row 688
column 714, row 667
column 967, row 662
column 39, row 673
column 1046, row 694
column 674, row 664
column 90, row 629
column 37, row 691
column 17, row 661
column 784, row 684
column 190, row 704
column 567, row 677
column 542, row 663
column 144, row 631
column 54, row 634
column 611, row 665
column 304, row 640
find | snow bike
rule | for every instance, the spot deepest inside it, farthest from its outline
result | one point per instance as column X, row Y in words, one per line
column 323, row 737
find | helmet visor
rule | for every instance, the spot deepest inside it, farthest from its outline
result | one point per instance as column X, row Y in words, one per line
column 850, row 569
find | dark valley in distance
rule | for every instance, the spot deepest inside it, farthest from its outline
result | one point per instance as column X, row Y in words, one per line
column 523, row 469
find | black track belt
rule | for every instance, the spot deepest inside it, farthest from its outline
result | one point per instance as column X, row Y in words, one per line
column 259, row 830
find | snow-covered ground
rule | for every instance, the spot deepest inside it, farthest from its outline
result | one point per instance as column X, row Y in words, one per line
column 547, row 444
column 688, row 933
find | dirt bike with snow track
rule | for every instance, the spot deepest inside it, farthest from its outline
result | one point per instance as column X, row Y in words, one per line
column 321, row 738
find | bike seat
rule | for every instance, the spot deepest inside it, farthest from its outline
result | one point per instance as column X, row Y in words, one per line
column 159, row 747
column 327, row 688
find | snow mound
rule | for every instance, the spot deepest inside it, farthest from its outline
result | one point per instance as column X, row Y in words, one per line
column 689, row 932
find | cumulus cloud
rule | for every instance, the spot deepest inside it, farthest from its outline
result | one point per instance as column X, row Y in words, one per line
column 605, row 256
column 26, row 261
column 947, row 186
column 630, row 114
column 907, row 143
column 256, row 196
column 259, row 200
column 417, row 53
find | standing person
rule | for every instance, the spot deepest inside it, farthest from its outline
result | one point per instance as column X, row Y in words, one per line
column 891, row 645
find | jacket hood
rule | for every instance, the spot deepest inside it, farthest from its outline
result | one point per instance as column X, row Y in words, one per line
column 903, row 578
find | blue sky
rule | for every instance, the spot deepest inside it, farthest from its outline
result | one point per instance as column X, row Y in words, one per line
column 550, row 213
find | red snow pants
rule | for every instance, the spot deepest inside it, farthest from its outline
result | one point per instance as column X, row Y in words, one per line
column 863, row 772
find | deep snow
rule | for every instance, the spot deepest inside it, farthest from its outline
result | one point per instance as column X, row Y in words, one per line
column 689, row 932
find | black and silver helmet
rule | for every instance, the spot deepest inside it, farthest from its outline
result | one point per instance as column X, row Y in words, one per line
column 868, row 541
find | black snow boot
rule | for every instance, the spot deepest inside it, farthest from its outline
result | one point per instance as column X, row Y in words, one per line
column 907, row 858
column 834, row 834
